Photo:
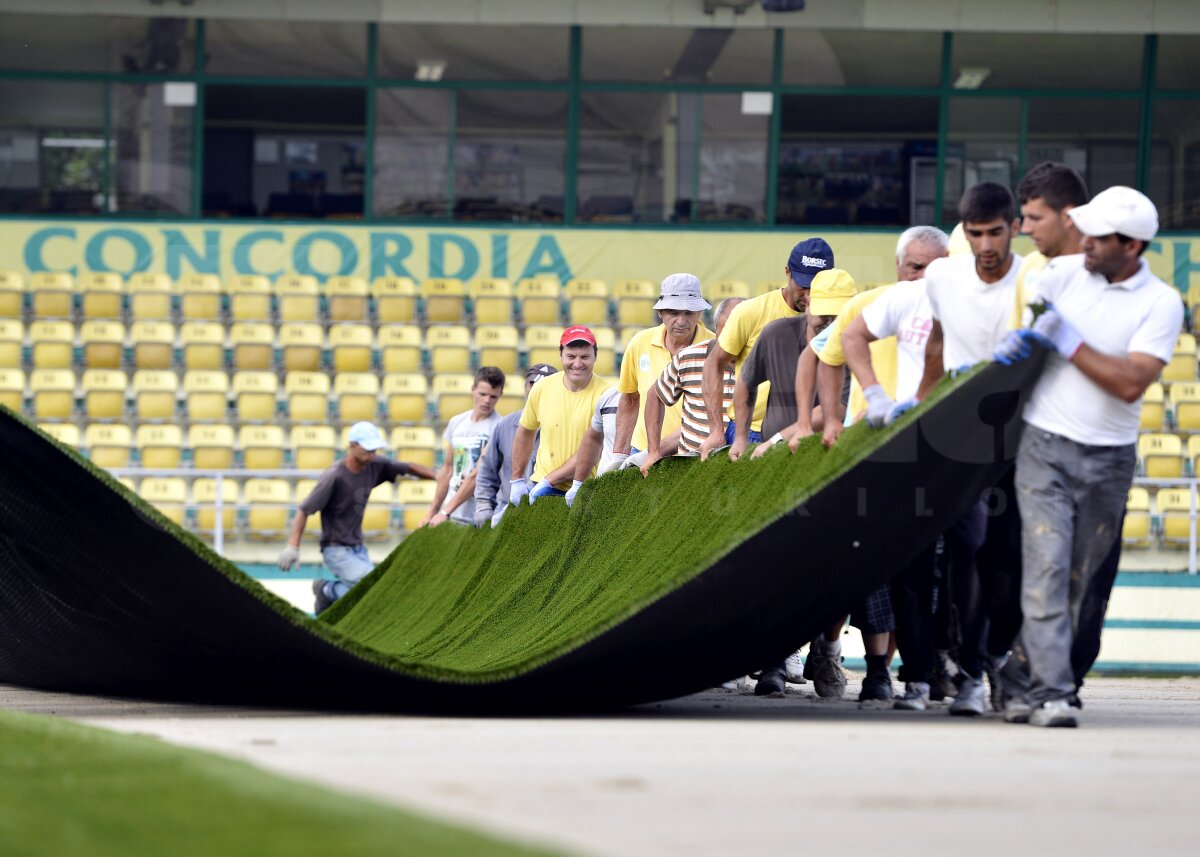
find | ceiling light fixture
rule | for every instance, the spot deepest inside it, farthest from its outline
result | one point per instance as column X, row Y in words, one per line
column 430, row 70
column 971, row 78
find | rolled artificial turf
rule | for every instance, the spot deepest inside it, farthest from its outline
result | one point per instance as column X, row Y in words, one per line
column 68, row 790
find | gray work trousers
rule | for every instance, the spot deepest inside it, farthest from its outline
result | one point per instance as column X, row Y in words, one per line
column 1071, row 497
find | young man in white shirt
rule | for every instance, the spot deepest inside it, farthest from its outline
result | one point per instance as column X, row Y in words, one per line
column 1112, row 327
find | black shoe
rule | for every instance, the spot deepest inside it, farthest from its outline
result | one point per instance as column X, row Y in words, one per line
column 992, row 667
column 324, row 602
column 773, row 680
column 876, row 687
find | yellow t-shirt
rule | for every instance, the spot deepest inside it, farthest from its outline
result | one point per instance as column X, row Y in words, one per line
column 742, row 329
column 1031, row 265
column 563, row 417
column 645, row 358
column 883, row 351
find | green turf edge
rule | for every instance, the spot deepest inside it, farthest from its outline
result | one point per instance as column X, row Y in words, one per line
column 69, row 789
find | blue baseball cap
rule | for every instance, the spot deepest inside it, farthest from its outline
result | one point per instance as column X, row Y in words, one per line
column 809, row 258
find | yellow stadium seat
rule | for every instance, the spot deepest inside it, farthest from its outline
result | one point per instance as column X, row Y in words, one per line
column 1174, row 513
column 203, row 345
column 1185, row 405
column 395, row 300
column 587, row 302
column 12, row 339
column 628, row 333
column 159, row 446
column 400, row 347
column 405, row 397
column 103, row 344
column 606, row 351
column 356, row 395
column 168, row 494
column 252, row 344
column 150, row 297
column 298, row 298
column 204, row 499
column 153, row 344
column 302, row 346
column 414, row 496
column 445, row 300
column 498, row 346
column 492, row 301
column 206, row 396
column 351, row 347
column 52, row 344
column 762, row 288
column 261, row 446
column 416, row 444
column 1161, row 455
column 199, row 297
column 377, row 517
column 300, row 492
column 53, row 392
column 12, row 294
column 103, row 295
column 307, row 396
column 313, row 447
column 64, row 433
column 541, row 345
column 254, row 396
column 1136, row 530
column 1183, row 363
column 513, row 398
column 635, row 302
column 268, row 507
column 452, row 395
column 541, row 300
column 211, row 446
column 719, row 290
column 249, row 298
column 348, row 298
column 104, row 394
column 53, row 294
column 1193, row 453
column 109, row 445
column 154, row 394
column 12, row 389
column 449, row 348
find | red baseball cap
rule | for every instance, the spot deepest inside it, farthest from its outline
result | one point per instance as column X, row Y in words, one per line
column 577, row 333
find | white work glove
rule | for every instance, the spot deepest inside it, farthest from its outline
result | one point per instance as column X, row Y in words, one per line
column 879, row 403
column 1058, row 332
column 616, row 461
column 636, row 460
column 289, row 558
column 483, row 514
column 575, row 486
column 517, row 488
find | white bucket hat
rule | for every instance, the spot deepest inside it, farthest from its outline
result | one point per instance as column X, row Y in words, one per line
column 681, row 292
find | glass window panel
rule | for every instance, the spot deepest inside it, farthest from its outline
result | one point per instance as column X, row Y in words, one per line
column 870, row 160
column 412, row 153
column 51, row 147
column 982, row 144
column 1098, row 137
column 153, row 150
column 1175, row 163
column 1050, row 60
column 677, row 55
column 474, row 53
column 97, row 43
column 293, row 48
column 1178, row 62
column 855, row 58
column 509, row 155
column 627, row 158
column 732, row 181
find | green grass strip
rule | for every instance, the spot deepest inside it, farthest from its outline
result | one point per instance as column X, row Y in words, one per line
column 67, row 789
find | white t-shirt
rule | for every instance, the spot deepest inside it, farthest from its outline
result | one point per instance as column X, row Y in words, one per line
column 466, row 439
column 903, row 311
column 975, row 315
column 604, row 420
column 1141, row 314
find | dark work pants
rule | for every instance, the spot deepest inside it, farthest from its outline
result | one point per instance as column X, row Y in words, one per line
column 999, row 563
column 963, row 541
column 914, row 600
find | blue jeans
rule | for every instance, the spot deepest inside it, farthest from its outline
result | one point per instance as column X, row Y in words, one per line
column 755, row 436
column 348, row 564
column 545, row 489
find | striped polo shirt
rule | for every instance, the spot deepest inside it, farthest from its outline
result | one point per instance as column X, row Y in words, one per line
column 684, row 378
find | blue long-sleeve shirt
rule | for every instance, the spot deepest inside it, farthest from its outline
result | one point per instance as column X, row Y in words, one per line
column 495, row 467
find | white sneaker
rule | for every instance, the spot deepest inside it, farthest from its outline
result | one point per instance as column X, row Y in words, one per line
column 1056, row 712
column 969, row 701
column 735, row 684
column 795, row 669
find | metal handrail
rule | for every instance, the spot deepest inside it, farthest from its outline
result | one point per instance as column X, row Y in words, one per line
column 1193, row 485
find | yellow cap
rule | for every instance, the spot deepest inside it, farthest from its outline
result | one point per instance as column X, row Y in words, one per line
column 959, row 245
column 830, row 290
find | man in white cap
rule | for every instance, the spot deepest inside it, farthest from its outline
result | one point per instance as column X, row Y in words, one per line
column 340, row 495
column 1111, row 326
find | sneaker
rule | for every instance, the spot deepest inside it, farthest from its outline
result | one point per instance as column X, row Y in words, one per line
column 995, row 684
column 876, row 687
column 969, row 702
column 828, row 677
column 735, row 684
column 916, row 697
column 794, row 669
column 772, row 681
column 946, row 677
column 324, row 602
column 1017, row 711
column 1056, row 712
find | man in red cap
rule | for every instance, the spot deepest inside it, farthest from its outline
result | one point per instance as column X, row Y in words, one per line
column 561, row 406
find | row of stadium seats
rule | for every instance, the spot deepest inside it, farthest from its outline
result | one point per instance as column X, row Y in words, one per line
column 1157, row 518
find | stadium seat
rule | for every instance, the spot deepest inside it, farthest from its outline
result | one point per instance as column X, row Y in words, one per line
column 199, row 297
column 444, row 299
column 302, row 345
column 395, row 300
column 103, row 295
column 514, row 396
column 719, row 290
column 1183, row 363
column 261, row 446
column 452, row 395
column 1185, row 405
column 53, row 294
column 150, row 297
column 1193, row 454
column 104, row 394
column 12, row 342
column 492, row 301
column 606, row 351
column 12, row 294
column 52, row 344
column 203, row 345
column 449, row 348
column 762, row 288
column 167, row 494
column 307, row 396
column 351, row 347
column 635, row 302
column 103, row 344
column 12, row 389
column 541, row 301
column 206, row 396
column 109, row 445
column 1136, row 531
column 356, row 396
column 252, row 344
column 400, row 347
column 64, row 433
column 1161, row 455
column 313, row 447
column 416, row 444
column 377, row 517
column 1174, row 514
column 587, row 302
column 348, row 298
column 204, row 499
column 414, row 496
column 211, row 446
column 405, row 397
column 541, row 345
column 300, row 492
column 154, row 394
column 254, row 396
column 53, row 393
column 298, row 298
column 249, row 298
column 268, row 504
column 498, row 345
column 159, row 447
column 153, row 344
column 628, row 333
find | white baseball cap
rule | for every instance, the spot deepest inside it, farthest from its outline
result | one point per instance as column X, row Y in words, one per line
column 682, row 292
column 1118, row 209
column 367, row 436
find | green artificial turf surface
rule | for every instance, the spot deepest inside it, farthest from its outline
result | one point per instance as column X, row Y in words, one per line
column 67, row 789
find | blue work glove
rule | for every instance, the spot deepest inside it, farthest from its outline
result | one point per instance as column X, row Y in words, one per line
column 575, row 486
column 517, row 489
column 1017, row 346
column 1056, row 332
column 878, row 405
column 542, row 489
column 898, row 410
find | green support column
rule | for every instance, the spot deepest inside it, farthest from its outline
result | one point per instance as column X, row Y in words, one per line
column 776, row 129
column 451, row 144
column 939, row 196
column 571, row 165
column 198, row 126
column 369, row 133
column 1022, row 140
column 106, row 188
column 1146, row 126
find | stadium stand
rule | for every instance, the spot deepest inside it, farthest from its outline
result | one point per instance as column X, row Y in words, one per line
column 268, row 502
column 249, row 298
column 12, row 295
column 199, row 297
column 159, row 446
column 152, row 344
column 414, row 443
column 109, row 445
column 634, row 301
column 53, row 294
column 348, row 299
column 255, row 396
column 540, row 301
column 52, row 344
column 405, row 397
column 498, row 345
column 203, row 345
column 452, row 395
column 400, row 348
column 395, row 300
column 1161, row 455
column 414, row 498
column 206, row 395
column 297, row 298
column 445, row 300
column 492, row 302
column 261, row 447
column 150, row 297
column 104, row 394
column 356, row 396
column 302, row 345
column 449, row 348
column 53, row 394
column 211, row 446
column 1183, row 363
column 102, row 343
column 587, row 302
column 352, row 347
column 12, row 343
column 103, row 295
column 307, row 396
column 313, row 447
column 168, row 494
column 204, row 501
column 12, row 388
column 252, row 345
